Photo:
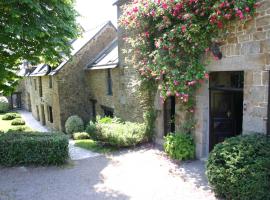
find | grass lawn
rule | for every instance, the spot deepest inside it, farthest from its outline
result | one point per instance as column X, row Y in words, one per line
column 94, row 146
column 5, row 125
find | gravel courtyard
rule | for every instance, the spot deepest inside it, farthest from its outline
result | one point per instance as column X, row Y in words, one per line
column 141, row 174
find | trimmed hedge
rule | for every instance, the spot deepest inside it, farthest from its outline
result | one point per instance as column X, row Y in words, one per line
column 120, row 134
column 9, row 116
column 180, row 146
column 74, row 124
column 239, row 168
column 81, row 136
column 18, row 122
column 33, row 149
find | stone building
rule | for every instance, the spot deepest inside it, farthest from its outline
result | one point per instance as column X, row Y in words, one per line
column 52, row 95
column 235, row 99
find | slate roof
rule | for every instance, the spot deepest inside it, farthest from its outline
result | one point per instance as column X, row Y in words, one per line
column 107, row 58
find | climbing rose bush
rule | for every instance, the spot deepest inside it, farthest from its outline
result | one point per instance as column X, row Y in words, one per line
column 168, row 38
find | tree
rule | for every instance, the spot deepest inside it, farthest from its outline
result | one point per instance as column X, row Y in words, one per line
column 38, row 31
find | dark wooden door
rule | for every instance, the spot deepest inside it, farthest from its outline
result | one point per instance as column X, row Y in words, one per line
column 169, row 115
column 226, row 113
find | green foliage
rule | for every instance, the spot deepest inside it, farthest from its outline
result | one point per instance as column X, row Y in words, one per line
column 74, row 124
column 33, row 148
column 150, row 118
column 81, row 136
column 180, row 146
column 36, row 31
column 239, row 168
column 4, row 105
column 18, row 122
column 104, row 120
column 168, row 39
column 19, row 129
column 91, row 130
column 121, row 134
column 9, row 116
column 93, row 145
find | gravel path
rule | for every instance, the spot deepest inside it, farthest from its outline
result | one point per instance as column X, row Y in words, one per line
column 32, row 122
column 140, row 174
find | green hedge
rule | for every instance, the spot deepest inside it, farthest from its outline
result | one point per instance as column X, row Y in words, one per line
column 74, row 124
column 18, row 122
column 33, row 148
column 239, row 168
column 179, row 146
column 9, row 116
column 120, row 134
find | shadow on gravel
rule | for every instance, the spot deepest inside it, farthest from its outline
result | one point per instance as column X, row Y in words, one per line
column 72, row 182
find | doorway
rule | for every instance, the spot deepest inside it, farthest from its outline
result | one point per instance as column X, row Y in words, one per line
column 226, row 106
column 16, row 100
column 43, row 119
column 169, row 115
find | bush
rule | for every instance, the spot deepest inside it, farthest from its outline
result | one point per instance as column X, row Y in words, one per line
column 180, row 146
column 4, row 105
column 104, row 120
column 18, row 122
column 239, row 168
column 121, row 134
column 81, row 136
column 33, row 148
column 9, row 116
column 74, row 124
column 91, row 130
column 19, row 129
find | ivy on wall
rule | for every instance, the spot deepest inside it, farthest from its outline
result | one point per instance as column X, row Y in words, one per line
column 169, row 37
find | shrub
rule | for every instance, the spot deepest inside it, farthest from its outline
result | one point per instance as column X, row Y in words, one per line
column 81, row 136
column 74, row 124
column 104, row 120
column 91, row 130
column 19, row 129
column 121, row 134
column 9, row 116
column 239, row 168
column 18, row 122
column 33, row 148
column 180, row 146
column 4, row 105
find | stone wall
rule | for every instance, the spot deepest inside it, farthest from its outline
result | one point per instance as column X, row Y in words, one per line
column 73, row 94
column 34, row 102
column 246, row 48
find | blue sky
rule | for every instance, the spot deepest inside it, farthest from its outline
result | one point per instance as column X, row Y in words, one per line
column 96, row 12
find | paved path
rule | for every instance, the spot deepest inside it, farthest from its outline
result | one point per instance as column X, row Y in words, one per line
column 32, row 122
column 140, row 174
column 75, row 153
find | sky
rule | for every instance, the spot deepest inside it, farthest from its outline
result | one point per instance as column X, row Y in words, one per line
column 95, row 12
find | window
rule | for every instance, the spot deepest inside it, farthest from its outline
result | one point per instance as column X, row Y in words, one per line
column 50, row 81
column 108, row 112
column 40, row 87
column 50, row 114
column 35, row 84
column 109, row 82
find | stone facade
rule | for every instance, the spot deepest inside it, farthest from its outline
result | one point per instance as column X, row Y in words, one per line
column 68, row 94
column 246, row 48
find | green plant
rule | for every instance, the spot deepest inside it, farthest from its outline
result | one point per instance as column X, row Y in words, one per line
column 81, row 136
column 33, row 148
column 9, row 116
column 121, row 134
column 4, row 105
column 104, row 120
column 23, row 129
column 95, row 146
column 179, row 146
column 91, row 129
column 74, row 124
column 239, row 168
column 18, row 122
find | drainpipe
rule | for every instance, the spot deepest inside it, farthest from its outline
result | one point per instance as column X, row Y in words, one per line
column 268, row 109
